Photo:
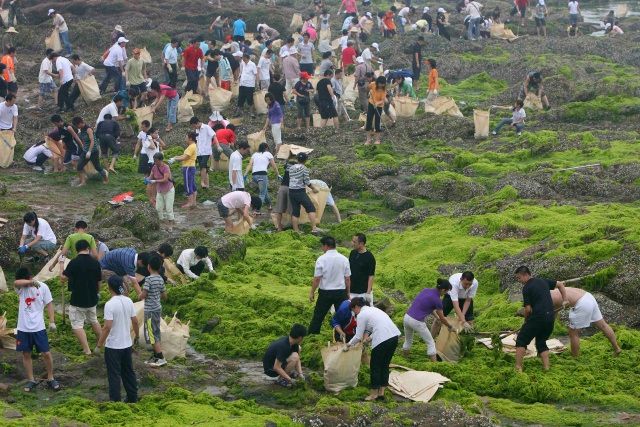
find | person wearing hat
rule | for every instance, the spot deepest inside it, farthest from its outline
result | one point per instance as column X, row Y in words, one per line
column 170, row 62
column 119, row 318
column 192, row 56
column 540, row 12
column 403, row 17
column 441, row 23
column 117, row 33
column 370, row 55
column 426, row 16
column 361, row 79
column 298, row 182
column 303, row 90
column 60, row 25
column 291, row 70
column 136, row 77
column 114, row 65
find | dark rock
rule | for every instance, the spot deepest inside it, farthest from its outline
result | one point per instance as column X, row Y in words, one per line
column 4, row 388
column 446, row 190
column 398, row 202
column 382, row 186
column 211, row 324
column 412, row 216
column 9, row 241
column 385, row 305
column 478, row 230
column 377, row 170
column 625, row 286
column 126, row 242
column 112, row 233
column 222, row 248
column 3, row 189
column 342, row 178
column 511, row 232
column 614, row 312
column 138, row 217
column 12, row 414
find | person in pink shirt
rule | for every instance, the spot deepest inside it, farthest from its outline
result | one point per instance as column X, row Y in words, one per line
column 160, row 175
column 349, row 6
column 161, row 92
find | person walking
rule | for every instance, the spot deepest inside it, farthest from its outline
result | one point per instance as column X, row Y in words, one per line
column 192, row 56
column 332, row 278
column 9, row 73
column 249, row 79
column 63, row 30
column 275, row 116
column 574, row 12
column 239, row 29
column 363, row 269
column 377, row 99
column 160, row 175
column 475, row 17
column 205, row 137
column 114, row 65
column 298, row 182
column 303, row 90
column 170, row 62
column 153, row 291
column 376, row 326
column 327, row 101
column 119, row 317
column 259, row 167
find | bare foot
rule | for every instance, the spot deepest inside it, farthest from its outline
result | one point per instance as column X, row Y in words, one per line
column 112, row 170
column 371, row 397
column 617, row 352
column 519, row 369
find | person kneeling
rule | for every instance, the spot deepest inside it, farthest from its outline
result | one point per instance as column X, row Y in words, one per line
column 238, row 202
column 193, row 261
column 282, row 358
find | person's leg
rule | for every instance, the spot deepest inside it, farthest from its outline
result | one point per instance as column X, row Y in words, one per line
column 73, row 96
column 64, row 38
column 574, row 339
column 375, row 372
column 82, row 339
column 371, row 111
column 112, row 361
column 378, row 121
column 263, row 187
column 41, row 159
column 172, row 112
column 323, row 303
column 27, row 363
column 106, row 79
column 503, row 122
column 173, row 75
column 128, row 375
column 545, row 360
column 160, row 205
column 408, row 333
column 96, row 329
column 520, row 352
column 95, row 160
column 470, row 29
column 48, row 363
column 390, row 346
column 609, row 333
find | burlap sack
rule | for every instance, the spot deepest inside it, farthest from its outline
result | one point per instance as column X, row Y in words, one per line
column 240, row 227
column 185, row 111
column 259, row 103
column 3, row 282
column 7, row 147
column 289, row 150
column 7, row 335
column 89, row 89
column 533, row 101
column 173, row 273
column 367, row 27
column 498, row 31
column 325, row 35
column 174, row 335
column 219, row 99
column 53, row 41
column 203, row 85
column 448, row 342
column 335, row 44
column 296, row 21
column 443, row 105
column 349, row 95
column 481, row 123
column 235, row 89
column 145, row 56
column 223, row 164
column 4, row 14
column 45, row 274
column 406, row 106
column 255, row 139
column 341, row 368
column 144, row 113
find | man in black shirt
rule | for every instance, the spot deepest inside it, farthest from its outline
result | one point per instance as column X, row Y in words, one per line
column 282, row 358
column 539, row 314
column 84, row 274
column 213, row 56
column 363, row 269
column 416, row 60
column 108, row 132
column 277, row 89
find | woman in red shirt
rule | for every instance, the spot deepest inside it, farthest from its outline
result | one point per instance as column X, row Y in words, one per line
column 160, row 92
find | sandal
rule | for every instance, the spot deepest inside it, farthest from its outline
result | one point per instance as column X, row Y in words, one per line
column 53, row 385
column 30, row 386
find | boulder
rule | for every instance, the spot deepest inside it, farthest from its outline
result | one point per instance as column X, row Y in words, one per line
column 112, row 233
column 9, row 241
column 412, row 216
column 342, row 178
column 446, row 189
column 3, row 189
column 398, row 202
column 376, row 170
column 126, row 242
column 222, row 248
column 140, row 218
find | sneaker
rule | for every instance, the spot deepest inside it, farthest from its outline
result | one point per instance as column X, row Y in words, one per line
column 519, row 133
column 151, row 360
column 158, row 363
column 494, row 133
column 37, row 168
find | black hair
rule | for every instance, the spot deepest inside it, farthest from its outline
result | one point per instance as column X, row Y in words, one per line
column 219, row 126
column 11, row 50
column 56, row 118
column 117, row 98
column 81, row 224
column 520, row 103
column 269, row 97
column 82, row 245
column 10, row 97
column 328, row 72
column 358, row 302
column 381, row 81
column 48, row 52
column 393, row 8
column 158, row 156
column 345, row 32
column 361, row 238
column 523, row 270
column 152, row 130
column 369, row 74
column 31, row 216
column 290, row 40
column 201, row 251
column 144, row 258
column 263, row 147
column 192, row 136
column 298, row 331
column 75, row 57
column 243, row 145
column 302, row 157
column 107, row 117
column 155, row 85
column 256, row 203
column 194, row 120
column 467, row 275
column 432, row 63
column 155, row 263
column 328, row 241
column 231, row 126
column 337, row 71
column 327, row 55
column 77, row 120
column 116, row 284
column 145, row 123
column 165, row 249
column 23, row 273
column 443, row 284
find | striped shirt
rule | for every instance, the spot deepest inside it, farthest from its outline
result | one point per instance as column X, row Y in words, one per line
column 154, row 285
column 121, row 261
column 298, row 177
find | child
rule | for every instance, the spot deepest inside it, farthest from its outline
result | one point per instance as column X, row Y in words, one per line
column 142, row 136
column 34, row 298
column 152, row 292
column 188, row 160
column 516, row 120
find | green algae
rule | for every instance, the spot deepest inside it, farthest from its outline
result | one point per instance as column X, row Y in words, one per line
column 610, row 108
column 475, row 89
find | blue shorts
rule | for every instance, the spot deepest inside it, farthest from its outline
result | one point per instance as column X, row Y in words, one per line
column 25, row 341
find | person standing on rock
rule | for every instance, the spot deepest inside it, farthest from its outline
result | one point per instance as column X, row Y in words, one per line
column 136, row 78
column 238, row 203
column 291, row 70
column 282, row 358
column 249, row 79
column 205, row 138
column 574, row 12
column 46, row 83
column 236, row 179
column 119, row 317
column 416, row 61
column 79, row 233
column 63, row 30
column 9, row 73
column 170, row 61
column 239, row 29
column 376, row 326
column 303, row 90
column 327, row 101
column 188, row 160
column 114, row 65
column 259, row 167
column 34, row 298
column 90, row 151
column 377, row 100
column 108, row 134
column 539, row 314
column 584, row 312
column 434, row 85
column 363, row 269
column 298, row 182
column 192, row 262
column 362, row 77
column 427, row 302
column 160, row 175
column 153, row 291
column 332, row 278
column 83, row 274
column 275, row 115
column 191, row 60
column 540, row 13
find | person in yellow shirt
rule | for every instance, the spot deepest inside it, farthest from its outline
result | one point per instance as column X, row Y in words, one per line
column 377, row 99
column 433, row 80
column 188, row 162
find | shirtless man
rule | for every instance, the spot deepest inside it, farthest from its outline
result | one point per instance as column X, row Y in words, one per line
column 584, row 312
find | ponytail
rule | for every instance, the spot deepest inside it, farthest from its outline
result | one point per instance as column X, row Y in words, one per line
column 31, row 216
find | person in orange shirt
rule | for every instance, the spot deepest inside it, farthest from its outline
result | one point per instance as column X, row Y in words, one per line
column 389, row 22
column 9, row 73
column 433, row 80
column 377, row 99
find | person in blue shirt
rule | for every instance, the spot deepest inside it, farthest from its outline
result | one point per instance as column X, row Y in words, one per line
column 239, row 28
column 343, row 322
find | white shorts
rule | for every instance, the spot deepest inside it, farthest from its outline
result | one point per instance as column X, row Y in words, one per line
column 584, row 313
column 78, row 315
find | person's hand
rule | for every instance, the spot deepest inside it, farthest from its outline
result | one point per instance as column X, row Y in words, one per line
column 88, row 155
column 171, row 160
column 35, row 284
column 135, row 157
column 136, row 341
column 146, row 181
column 52, row 327
column 343, row 336
column 253, row 226
column 467, row 327
column 152, row 181
column 311, row 296
column 23, row 249
column 565, row 304
column 96, row 351
column 346, row 348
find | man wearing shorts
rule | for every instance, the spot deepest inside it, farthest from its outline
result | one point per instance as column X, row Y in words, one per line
column 136, row 74
column 520, row 7
column 584, row 312
column 539, row 314
column 84, row 274
column 204, row 139
column 238, row 202
column 298, row 182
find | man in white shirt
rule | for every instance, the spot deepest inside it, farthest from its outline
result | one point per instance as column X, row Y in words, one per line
column 111, row 108
column 204, row 139
column 65, row 75
column 369, row 55
column 333, row 278
column 170, row 61
column 464, row 287
column 114, row 65
column 119, row 317
column 34, row 298
column 82, row 70
column 305, row 49
column 9, row 114
column 236, row 180
column 264, row 69
column 574, row 12
column 45, row 79
column 248, row 83
column 192, row 262
column 63, row 30
column 475, row 17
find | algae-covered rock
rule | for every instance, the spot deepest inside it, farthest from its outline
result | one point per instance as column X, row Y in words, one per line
column 3, row 189
column 222, row 248
column 138, row 217
column 398, row 202
column 412, row 216
column 9, row 242
column 446, row 186
column 342, row 178
column 376, row 170
column 126, row 242
column 112, row 233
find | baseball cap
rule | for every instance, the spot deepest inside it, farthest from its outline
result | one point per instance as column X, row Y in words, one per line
column 51, row 12
column 375, row 45
column 238, row 54
column 368, row 15
column 122, row 40
column 304, row 75
column 118, row 28
column 441, row 10
column 360, row 60
column 426, row 9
